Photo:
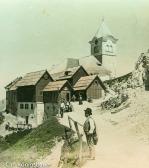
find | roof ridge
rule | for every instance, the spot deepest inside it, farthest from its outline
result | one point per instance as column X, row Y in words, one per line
column 103, row 30
column 36, row 71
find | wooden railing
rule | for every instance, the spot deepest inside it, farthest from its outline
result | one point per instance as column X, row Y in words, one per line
column 76, row 125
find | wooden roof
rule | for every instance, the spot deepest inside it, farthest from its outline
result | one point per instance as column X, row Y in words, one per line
column 93, row 66
column 31, row 79
column 55, row 86
column 13, row 85
column 84, row 82
column 67, row 74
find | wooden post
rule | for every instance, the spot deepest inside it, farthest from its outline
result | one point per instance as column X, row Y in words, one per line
column 77, row 129
column 80, row 141
column 78, row 134
column 69, row 119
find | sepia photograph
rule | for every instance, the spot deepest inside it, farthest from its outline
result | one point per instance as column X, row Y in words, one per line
column 74, row 84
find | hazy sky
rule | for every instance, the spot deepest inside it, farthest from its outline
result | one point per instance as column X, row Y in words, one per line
column 35, row 34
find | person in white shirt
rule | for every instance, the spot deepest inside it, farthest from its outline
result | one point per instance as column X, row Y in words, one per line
column 62, row 108
column 89, row 129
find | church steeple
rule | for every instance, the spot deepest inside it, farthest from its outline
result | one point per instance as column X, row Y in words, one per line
column 103, row 44
column 103, row 30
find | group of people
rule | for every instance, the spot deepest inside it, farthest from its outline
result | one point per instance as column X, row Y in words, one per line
column 65, row 106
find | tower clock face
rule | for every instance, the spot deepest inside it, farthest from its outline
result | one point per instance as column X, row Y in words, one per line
column 96, row 49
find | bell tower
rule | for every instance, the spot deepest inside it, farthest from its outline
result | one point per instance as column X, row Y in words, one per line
column 103, row 47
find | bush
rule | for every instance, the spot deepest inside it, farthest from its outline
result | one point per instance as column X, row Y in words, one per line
column 3, row 144
column 16, row 136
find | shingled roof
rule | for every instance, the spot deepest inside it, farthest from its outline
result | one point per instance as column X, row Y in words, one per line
column 31, row 79
column 93, row 66
column 103, row 30
column 13, row 85
column 67, row 74
column 55, row 86
column 84, row 82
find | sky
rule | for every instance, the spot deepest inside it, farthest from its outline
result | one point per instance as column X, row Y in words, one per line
column 36, row 34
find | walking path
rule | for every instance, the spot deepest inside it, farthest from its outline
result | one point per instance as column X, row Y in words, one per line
column 123, row 142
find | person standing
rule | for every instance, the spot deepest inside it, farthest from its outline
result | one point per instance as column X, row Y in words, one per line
column 73, row 98
column 62, row 108
column 80, row 100
column 90, row 132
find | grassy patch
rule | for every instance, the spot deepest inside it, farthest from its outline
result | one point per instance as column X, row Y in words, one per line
column 28, row 146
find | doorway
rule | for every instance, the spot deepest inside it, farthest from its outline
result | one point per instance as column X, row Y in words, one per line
column 68, row 96
column 26, row 119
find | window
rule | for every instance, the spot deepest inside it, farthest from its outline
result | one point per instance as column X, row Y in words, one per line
column 26, row 106
column 96, row 82
column 110, row 48
column 96, row 41
column 66, row 73
column 96, row 49
column 32, row 107
column 107, row 48
column 21, row 106
column 46, row 76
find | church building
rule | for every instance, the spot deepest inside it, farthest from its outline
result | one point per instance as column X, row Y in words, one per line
column 103, row 47
column 102, row 59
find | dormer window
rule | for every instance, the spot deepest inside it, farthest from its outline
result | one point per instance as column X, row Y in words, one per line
column 66, row 73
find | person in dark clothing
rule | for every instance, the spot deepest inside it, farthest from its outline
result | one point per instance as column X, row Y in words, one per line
column 80, row 100
column 90, row 132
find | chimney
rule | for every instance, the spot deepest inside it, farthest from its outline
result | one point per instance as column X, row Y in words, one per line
column 72, row 62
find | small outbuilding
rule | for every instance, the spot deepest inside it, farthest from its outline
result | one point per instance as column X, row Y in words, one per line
column 53, row 93
column 89, row 87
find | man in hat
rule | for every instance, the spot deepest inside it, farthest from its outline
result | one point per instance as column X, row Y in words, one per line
column 89, row 129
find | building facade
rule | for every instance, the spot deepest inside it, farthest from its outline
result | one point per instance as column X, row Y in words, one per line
column 53, row 94
column 89, row 87
column 11, row 96
column 30, row 104
column 103, row 47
